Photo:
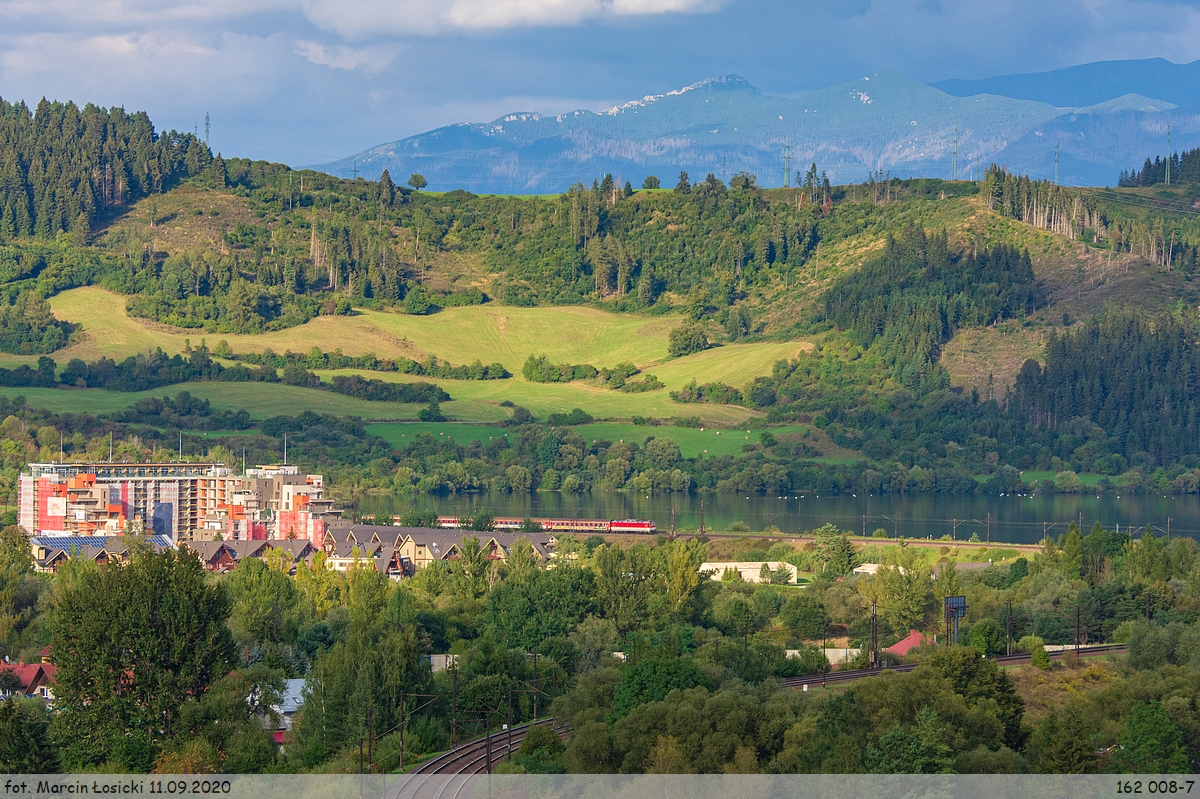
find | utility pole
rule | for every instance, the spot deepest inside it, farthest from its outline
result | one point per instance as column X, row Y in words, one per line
column 954, row 168
column 355, row 172
column 787, row 163
column 1077, row 629
column 508, row 741
column 401, row 730
column 488, row 741
column 701, row 517
column 1055, row 163
column 1008, row 629
column 874, row 638
column 370, row 737
column 454, row 703
column 535, row 686
column 672, row 522
column 205, row 128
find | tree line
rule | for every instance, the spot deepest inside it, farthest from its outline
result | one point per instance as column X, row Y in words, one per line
column 1184, row 167
column 698, row 689
column 156, row 369
column 62, row 167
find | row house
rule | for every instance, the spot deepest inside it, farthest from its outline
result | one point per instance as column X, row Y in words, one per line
column 407, row 549
column 224, row 556
column 52, row 551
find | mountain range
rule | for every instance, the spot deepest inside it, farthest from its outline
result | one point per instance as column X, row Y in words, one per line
column 1094, row 120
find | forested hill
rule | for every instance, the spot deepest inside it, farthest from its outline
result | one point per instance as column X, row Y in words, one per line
column 245, row 246
column 62, row 168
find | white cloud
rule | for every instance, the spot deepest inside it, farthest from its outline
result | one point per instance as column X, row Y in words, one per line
column 366, row 18
column 139, row 69
column 68, row 14
column 368, row 59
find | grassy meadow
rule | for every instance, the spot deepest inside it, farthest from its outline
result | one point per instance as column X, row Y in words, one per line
column 692, row 441
column 489, row 333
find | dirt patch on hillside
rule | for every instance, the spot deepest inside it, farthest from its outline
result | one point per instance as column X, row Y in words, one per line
column 184, row 219
column 977, row 355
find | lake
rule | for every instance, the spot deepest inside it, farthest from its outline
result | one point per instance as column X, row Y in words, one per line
column 1011, row 519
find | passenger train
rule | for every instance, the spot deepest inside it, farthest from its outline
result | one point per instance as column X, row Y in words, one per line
column 567, row 525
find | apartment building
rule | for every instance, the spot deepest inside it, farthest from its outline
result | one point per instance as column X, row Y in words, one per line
column 183, row 501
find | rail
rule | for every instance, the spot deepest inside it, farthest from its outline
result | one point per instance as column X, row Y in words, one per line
column 471, row 758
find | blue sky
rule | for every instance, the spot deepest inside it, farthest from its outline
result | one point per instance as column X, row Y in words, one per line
column 311, row 81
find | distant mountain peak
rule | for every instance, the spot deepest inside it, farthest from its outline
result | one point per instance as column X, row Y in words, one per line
column 718, row 83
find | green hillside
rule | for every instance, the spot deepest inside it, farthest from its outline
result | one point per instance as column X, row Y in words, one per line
column 896, row 334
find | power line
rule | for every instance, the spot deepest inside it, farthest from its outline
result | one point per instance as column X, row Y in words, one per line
column 1168, row 180
column 787, row 163
column 954, row 168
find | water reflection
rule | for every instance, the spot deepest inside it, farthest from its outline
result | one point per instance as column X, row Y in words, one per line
column 1015, row 519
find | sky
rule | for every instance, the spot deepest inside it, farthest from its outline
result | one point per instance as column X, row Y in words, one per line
column 312, row 81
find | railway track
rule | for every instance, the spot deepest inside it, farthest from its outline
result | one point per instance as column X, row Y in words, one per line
column 445, row 776
column 859, row 674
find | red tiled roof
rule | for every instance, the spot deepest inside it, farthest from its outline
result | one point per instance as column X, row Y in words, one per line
column 27, row 673
column 905, row 645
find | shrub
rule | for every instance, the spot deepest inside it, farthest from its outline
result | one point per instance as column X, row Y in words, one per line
column 576, row 416
column 431, row 413
column 686, row 339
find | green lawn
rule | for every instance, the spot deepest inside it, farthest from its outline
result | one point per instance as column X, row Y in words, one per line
column 479, row 400
column 692, row 441
column 1085, row 478
column 400, row 434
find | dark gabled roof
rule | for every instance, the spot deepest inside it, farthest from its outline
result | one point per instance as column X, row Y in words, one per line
column 387, row 554
column 338, row 535
column 208, row 551
column 345, row 549
column 446, row 540
column 379, row 533
column 298, row 547
column 246, row 549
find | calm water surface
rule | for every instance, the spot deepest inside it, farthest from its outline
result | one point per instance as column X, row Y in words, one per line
column 1013, row 519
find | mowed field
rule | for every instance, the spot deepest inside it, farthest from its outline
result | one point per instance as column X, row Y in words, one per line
column 711, row 442
column 488, row 333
